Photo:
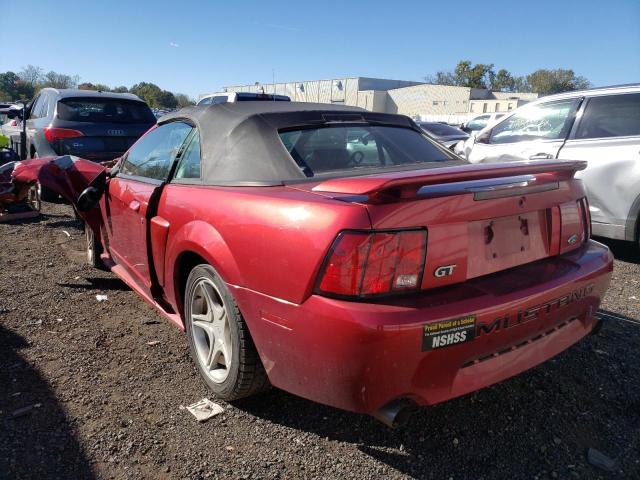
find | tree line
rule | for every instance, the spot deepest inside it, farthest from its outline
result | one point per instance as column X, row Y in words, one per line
column 483, row 75
column 25, row 84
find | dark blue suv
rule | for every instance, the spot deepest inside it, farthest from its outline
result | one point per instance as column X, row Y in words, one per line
column 94, row 125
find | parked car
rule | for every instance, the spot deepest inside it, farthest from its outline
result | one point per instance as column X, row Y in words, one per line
column 9, row 124
column 410, row 278
column 601, row 126
column 481, row 121
column 447, row 135
column 232, row 97
column 93, row 125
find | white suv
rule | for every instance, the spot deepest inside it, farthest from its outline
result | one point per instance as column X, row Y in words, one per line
column 232, row 97
column 601, row 126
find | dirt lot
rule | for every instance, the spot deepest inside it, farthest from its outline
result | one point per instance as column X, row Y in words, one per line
column 105, row 402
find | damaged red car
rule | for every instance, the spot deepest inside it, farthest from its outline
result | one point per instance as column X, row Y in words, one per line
column 339, row 254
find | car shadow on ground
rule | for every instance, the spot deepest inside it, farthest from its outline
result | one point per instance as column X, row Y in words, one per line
column 66, row 223
column 36, row 439
column 98, row 283
column 624, row 251
column 543, row 420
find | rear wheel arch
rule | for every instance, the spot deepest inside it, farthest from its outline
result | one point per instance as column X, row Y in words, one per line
column 201, row 242
column 632, row 226
column 242, row 372
column 184, row 264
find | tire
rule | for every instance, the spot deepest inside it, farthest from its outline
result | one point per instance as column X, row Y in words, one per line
column 94, row 248
column 230, row 367
column 48, row 195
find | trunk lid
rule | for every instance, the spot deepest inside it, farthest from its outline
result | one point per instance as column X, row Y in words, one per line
column 99, row 141
column 480, row 219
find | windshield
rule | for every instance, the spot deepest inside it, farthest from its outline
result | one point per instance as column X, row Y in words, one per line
column 341, row 148
column 104, row 110
column 440, row 129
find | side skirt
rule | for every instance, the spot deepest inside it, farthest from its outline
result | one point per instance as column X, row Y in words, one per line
column 126, row 278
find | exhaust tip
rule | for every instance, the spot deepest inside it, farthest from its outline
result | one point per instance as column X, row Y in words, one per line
column 396, row 413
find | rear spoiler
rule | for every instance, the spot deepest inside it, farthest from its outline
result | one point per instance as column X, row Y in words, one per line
column 470, row 178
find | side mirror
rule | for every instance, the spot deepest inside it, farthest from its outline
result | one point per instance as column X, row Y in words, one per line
column 15, row 113
column 483, row 137
column 88, row 199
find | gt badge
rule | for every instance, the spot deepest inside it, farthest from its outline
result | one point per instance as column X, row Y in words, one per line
column 444, row 271
column 448, row 332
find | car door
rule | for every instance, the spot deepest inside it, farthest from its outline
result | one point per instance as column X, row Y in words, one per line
column 35, row 112
column 132, row 197
column 607, row 136
column 534, row 132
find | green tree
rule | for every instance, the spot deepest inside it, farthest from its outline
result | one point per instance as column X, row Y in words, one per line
column 13, row 88
column 480, row 75
column 59, row 80
column 183, row 100
column 547, row 82
column 121, row 89
column 91, row 86
column 503, row 81
column 466, row 74
column 154, row 95
column 148, row 92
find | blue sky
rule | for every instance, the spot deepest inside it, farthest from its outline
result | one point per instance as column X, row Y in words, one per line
column 194, row 47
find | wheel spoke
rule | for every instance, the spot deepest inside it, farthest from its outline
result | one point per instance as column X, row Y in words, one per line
column 201, row 317
column 208, row 329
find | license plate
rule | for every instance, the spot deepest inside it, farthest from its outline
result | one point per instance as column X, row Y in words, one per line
column 508, row 235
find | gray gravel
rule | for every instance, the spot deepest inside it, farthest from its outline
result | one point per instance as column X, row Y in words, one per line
column 102, row 403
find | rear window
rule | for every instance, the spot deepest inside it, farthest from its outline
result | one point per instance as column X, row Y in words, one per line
column 104, row 110
column 343, row 148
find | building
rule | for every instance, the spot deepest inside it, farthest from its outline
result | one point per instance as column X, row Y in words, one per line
column 369, row 93
column 499, row 101
column 415, row 99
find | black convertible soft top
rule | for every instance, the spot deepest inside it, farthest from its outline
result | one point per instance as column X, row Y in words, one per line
column 240, row 144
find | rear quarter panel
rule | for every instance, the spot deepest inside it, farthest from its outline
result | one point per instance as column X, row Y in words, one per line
column 612, row 181
column 268, row 239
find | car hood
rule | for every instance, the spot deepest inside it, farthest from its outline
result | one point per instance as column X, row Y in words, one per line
column 65, row 175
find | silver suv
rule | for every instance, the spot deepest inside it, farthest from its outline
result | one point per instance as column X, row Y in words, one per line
column 601, row 126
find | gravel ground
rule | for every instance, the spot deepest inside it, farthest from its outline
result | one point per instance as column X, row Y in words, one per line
column 105, row 401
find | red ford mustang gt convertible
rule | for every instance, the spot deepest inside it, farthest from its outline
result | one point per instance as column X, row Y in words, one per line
column 339, row 254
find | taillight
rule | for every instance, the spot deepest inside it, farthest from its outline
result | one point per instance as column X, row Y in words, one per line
column 362, row 264
column 585, row 213
column 52, row 133
column 575, row 226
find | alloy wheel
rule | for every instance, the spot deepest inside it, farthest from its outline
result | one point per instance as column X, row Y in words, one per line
column 210, row 330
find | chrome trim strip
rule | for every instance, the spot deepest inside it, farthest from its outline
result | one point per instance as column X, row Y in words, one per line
column 475, row 186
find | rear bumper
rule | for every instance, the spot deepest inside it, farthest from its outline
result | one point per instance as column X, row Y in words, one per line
column 360, row 356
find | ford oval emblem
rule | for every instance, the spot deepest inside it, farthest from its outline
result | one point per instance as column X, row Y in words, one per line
column 572, row 239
